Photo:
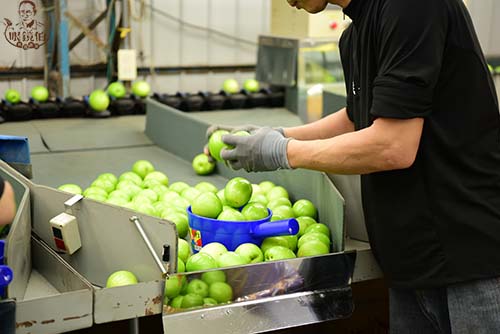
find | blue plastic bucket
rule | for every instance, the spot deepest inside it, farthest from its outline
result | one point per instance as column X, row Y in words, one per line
column 6, row 273
column 231, row 234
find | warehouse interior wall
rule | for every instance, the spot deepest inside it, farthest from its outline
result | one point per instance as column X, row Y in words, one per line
column 170, row 33
column 165, row 33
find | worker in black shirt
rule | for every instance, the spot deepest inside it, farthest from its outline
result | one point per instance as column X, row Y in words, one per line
column 422, row 127
column 7, row 203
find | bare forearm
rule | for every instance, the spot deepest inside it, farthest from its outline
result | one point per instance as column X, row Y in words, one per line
column 7, row 205
column 366, row 151
column 327, row 127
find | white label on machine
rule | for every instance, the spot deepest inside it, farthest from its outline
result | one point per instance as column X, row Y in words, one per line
column 127, row 65
column 66, row 233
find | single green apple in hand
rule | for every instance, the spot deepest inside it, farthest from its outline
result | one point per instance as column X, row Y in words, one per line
column 71, row 188
column 214, row 249
column 221, row 292
column 251, row 251
column 278, row 253
column 142, row 168
column 215, row 144
column 202, row 165
column 237, row 192
column 121, row 278
column 199, row 262
column 312, row 248
column 199, row 287
column 206, row 205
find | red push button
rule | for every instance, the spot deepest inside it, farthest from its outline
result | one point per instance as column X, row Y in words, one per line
column 60, row 244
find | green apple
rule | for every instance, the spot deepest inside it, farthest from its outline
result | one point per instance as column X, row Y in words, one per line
column 145, row 208
column 213, row 276
column 255, row 211
column 230, row 259
column 256, row 190
column 276, row 217
column 95, row 190
column 131, row 176
column 292, row 241
column 497, row 69
column 231, row 86
column 214, row 249
column 159, row 176
column 183, row 250
column 259, row 198
column 71, row 188
column 311, row 248
column 173, row 286
column 180, row 203
column 178, row 186
column 278, row 253
column 159, row 189
column 104, row 184
column 277, row 192
column 169, row 196
column 270, row 242
column 163, row 208
column 121, row 278
column 200, row 262
column 96, row 197
column 149, row 194
column 237, row 192
column 205, row 186
column 141, row 88
column 40, row 93
column 304, row 207
column 181, row 266
column 207, row 205
column 238, row 133
column 231, row 215
column 209, row 301
column 284, row 211
column 190, row 194
column 142, row 168
column 117, row 90
column 108, row 176
column 221, row 292
column 280, row 201
column 202, row 165
column 146, row 184
column 199, row 287
column 181, row 222
column 129, row 187
column 321, row 228
column 99, row 100
column 12, row 96
column 314, row 236
column 251, row 251
column 220, row 194
column 119, row 201
column 215, row 144
column 304, row 223
column 251, row 85
column 141, row 199
column 192, row 300
column 177, row 302
column 265, row 186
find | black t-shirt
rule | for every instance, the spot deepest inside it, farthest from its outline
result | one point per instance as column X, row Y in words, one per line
column 437, row 222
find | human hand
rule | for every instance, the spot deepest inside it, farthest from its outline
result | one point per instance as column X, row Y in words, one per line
column 264, row 150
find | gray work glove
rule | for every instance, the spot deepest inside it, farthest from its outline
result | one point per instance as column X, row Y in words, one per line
column 246, row 127
column 263, row 150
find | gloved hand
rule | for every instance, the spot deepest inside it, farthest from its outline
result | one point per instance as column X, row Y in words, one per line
column 246, row 127
column 263, row 150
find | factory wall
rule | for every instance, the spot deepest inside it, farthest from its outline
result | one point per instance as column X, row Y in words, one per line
column 165, row 33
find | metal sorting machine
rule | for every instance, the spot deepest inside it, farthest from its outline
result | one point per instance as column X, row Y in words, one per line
column 56, row 292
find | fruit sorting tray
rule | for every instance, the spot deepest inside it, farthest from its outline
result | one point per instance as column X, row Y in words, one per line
column 50, row 296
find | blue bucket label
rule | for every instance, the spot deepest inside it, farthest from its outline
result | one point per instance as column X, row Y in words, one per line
column 196, row 242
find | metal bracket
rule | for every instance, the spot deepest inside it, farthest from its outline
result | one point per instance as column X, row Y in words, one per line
column 68, row 205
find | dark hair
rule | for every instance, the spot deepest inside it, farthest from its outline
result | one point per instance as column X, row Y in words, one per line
column 29, row 2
